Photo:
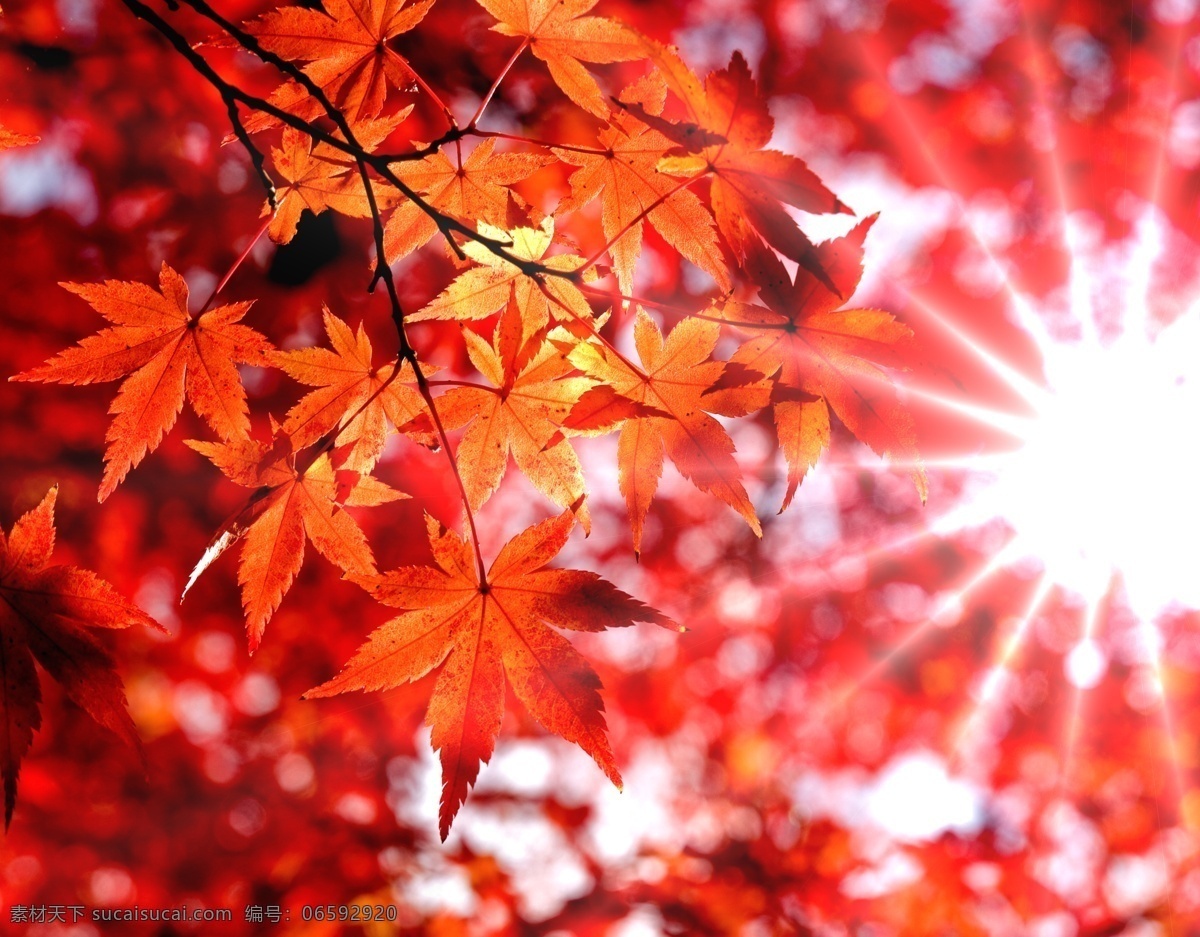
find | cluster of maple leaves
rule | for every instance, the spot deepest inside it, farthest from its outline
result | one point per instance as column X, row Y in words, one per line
column 539, row 326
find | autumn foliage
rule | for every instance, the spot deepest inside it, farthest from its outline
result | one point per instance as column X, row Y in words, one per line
column 48, row 611
column 480, row 292
column 548, row 365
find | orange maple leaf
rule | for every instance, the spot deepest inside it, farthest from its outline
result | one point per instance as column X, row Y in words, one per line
column 45, row 615
column 486, row 629
column 632, row 188
column 750, row 185
column 478, row 190
column 296, row 498
column 347, row 49
column 167, row 355
column 521, row 414
column 348, row 383
column 10, row 138
column 819, row 355
column 671, row 394
column 483, row 290
column 322, row 176
column 560, row 35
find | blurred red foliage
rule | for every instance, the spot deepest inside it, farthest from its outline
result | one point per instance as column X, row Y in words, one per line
column 792, row 764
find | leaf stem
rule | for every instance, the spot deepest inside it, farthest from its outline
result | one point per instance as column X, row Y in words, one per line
column 437, row 100
column 768, row 326
column 549, row 144
column 476, row 384
column 237, row 263
column 640, row 216
column 427, row 396
column 496, row 84
column 591, row 329
column 639, row 300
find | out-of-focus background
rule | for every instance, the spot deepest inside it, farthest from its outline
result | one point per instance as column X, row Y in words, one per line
column 879, row 723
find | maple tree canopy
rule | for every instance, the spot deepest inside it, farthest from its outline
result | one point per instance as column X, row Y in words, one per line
column 508, row 329
column 553, row 368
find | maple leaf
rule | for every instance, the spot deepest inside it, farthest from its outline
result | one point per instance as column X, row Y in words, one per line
column 522, row 415
column 45, row 615
column 478, row 190
column 677, row 374
column 560, row 35
column 627, row 176
column 750, row 184
column 347, row 49
column 347, row 380
column 10, row 139
column 487, row 628
column 167, row 355
column 483, row 290
column 601, row 409
column 821, row 356
column 322, row 176
column 296, row 498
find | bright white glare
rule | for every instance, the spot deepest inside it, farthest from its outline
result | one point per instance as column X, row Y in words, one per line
column 1085, row 664
column 915, row 799
column 1104, row 481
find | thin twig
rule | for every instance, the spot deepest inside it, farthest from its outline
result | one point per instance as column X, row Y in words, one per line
column 257, row 160
column 383, row 271
column 446, row 224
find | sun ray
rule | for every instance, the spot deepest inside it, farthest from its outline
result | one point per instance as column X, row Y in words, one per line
column 874, row 551
column 1015, row 426
column 1028, row 390
column 1149, row 249
column 1099, row 402
column 915, row 137
column 967, row 461
column 1084, row 668
column 1159, row 162
column 1000, row 670
column 1151, row 639
column 936, row 619
column 1093, row 478
column 823, row 573
column 1040, row 82
column 818, row 574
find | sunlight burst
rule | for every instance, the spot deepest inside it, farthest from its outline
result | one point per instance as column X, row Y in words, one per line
column 1103, row 482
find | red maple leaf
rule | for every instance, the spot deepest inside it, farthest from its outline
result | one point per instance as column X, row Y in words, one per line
column 822, row 355
column 46, row 613
column 167, row 355
column 346, row 48
column 296, row 498
column 488, row 628
column 728, row 130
